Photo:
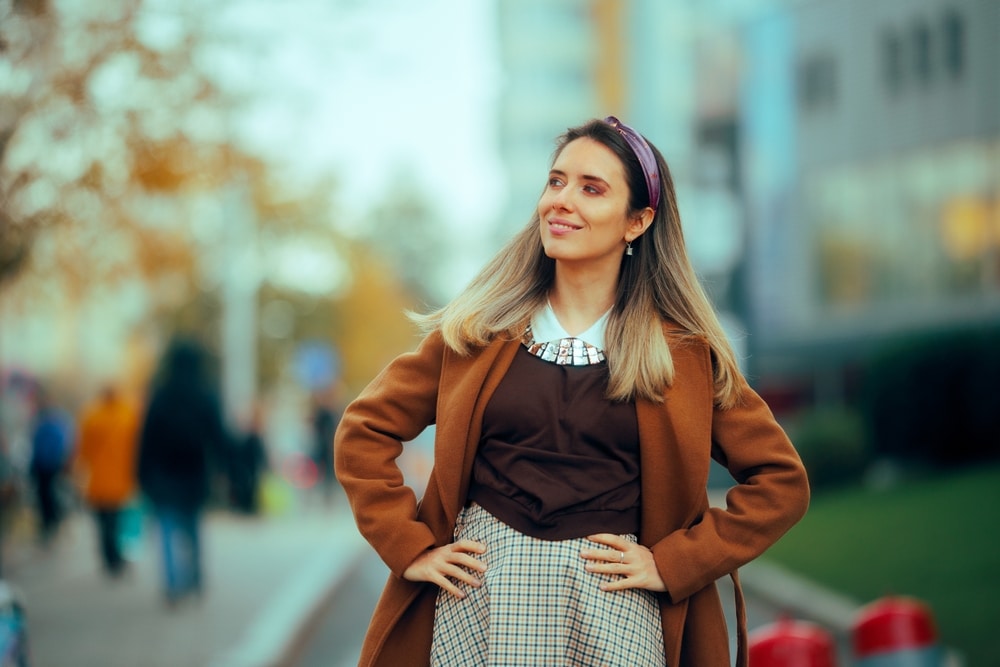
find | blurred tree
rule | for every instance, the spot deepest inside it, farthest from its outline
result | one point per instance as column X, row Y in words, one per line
column 14, row 244
column 407, row 234
column 122, row 163
column 831, row 441
column 15, row 236
column 370, row 324
column 111, row 119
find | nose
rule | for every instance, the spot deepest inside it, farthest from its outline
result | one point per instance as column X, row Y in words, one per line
column 561, row 200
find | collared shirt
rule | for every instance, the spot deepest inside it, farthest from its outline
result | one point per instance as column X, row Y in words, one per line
column 545, row 328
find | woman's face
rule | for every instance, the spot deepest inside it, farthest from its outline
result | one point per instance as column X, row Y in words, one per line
column 584, row 208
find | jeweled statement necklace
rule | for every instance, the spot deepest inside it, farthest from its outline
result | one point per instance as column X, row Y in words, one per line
column 565, row 351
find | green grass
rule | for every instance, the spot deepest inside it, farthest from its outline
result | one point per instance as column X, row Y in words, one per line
column 936, row 539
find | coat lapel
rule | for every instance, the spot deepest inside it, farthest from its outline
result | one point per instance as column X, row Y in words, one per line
column 468, row 384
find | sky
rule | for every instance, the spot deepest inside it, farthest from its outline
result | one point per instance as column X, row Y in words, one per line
column 380, row 93
column 375, row 90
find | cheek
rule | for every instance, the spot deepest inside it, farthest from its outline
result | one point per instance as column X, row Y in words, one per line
column 544, row 202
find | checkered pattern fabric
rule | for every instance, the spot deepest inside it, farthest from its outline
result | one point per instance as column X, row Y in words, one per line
column 538, row 606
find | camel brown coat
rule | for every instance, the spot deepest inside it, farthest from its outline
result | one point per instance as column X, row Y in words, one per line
column 693, row 545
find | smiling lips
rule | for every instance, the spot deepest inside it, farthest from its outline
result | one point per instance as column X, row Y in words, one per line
column 559, row 226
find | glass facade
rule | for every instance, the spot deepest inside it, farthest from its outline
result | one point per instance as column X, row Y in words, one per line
column 924, row 227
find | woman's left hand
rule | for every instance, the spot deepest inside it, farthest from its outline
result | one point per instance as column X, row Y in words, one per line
column 632, row 562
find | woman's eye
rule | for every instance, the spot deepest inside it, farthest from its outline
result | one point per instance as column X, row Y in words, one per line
column 591, row 189
column 554, row 182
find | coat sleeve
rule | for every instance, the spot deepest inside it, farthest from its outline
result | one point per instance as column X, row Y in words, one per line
column 770, row 495
column 393, row 409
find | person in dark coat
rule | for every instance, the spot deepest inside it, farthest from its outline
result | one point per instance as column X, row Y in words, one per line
column 181, row 438
column 324, row 419
column 247, row 463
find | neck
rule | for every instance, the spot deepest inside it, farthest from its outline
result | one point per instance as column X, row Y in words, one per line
column 579, row 299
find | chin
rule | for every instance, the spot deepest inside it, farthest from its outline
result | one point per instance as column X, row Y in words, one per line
column 552, row 253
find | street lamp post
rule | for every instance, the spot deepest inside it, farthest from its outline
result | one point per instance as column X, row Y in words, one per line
column 240, row 283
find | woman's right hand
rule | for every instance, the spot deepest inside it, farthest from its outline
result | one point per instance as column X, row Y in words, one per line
column 452, row 561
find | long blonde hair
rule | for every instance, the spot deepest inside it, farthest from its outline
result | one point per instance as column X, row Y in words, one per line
column 657, row 284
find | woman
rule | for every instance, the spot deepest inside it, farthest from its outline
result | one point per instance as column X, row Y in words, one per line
column 181, row 439
column 579, row 387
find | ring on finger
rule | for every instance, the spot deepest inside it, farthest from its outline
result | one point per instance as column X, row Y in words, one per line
column 621, row 557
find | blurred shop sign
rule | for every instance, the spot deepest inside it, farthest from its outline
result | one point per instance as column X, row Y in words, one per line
column 317, row 364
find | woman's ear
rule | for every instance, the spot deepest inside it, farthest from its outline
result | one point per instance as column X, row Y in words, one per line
column 639, row 224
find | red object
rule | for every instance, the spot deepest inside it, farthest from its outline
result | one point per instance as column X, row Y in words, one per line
column 789, row 643
column 300, row 470
column 891, row 624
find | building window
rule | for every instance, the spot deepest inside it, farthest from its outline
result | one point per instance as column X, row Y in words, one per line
column 953, row 38
column 817, row 83
column 922, row 56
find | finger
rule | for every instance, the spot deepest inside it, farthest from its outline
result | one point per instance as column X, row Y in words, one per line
column 609, row 567
column 458, row 553
column 469, row 546
column 461, row 574
column 447, row 585
column 611, row 541
column 621, row 584
column 466, row 561
column 616, row 556
column 602, row 555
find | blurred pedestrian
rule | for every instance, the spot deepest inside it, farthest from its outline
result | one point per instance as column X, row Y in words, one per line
column 105, row 468
column 9, row 492
column 182, row 438
column 51, row 449
column 325, row 417
column 247, row 463
column 580, row 386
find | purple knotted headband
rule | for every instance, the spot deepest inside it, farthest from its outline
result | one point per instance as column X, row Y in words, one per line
column 642, row 151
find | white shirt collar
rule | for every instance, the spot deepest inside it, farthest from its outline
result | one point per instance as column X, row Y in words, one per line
column 546, row 328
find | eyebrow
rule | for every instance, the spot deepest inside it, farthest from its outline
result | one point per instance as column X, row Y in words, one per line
column 586, row 177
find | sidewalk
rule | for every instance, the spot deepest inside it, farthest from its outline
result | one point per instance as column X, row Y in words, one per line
column 265, row 578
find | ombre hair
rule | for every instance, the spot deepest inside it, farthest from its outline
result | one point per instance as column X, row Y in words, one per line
column 657, row 284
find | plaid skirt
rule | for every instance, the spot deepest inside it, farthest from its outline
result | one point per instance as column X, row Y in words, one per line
column 538, row 606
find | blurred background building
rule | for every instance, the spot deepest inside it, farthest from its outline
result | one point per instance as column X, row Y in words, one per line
column 871, row 172
column 836, row 164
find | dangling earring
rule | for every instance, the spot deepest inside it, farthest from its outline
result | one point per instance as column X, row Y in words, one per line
column 628, row 248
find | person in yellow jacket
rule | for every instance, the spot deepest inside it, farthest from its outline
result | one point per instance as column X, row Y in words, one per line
column 106, row 469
